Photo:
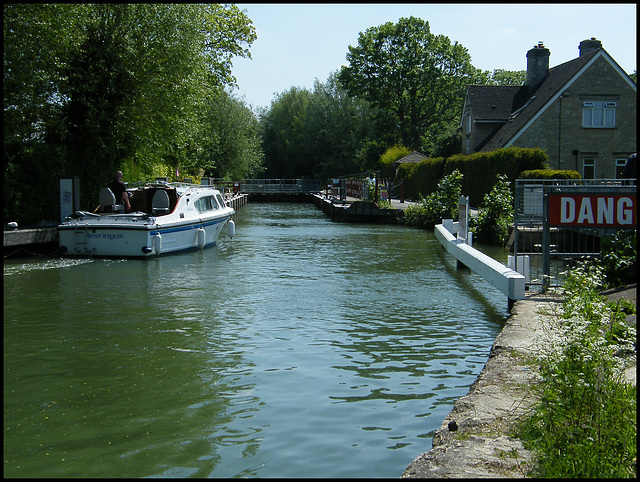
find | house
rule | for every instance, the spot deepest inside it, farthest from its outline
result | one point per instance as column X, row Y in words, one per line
column 582, row 113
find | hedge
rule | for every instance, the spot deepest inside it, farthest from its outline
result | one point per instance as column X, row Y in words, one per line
column 421, row 178
column 480, row 171
column 550, row 174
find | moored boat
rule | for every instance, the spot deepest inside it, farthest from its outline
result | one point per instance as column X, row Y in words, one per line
column 165, row 218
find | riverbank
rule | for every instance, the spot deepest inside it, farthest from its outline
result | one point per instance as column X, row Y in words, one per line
column 473, row 439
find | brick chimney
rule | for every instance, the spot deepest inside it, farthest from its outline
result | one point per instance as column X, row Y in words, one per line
column 588, row 46
column 537, row 66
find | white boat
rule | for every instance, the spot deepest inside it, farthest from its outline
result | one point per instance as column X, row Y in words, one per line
column 165, row 218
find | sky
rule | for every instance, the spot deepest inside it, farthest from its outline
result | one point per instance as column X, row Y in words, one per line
column 299, row 43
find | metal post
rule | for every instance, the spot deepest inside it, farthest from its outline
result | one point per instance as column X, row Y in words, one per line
column 516, row 215
column 546, row 240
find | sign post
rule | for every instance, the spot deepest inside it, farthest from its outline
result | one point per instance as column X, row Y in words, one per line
column 463, row 218
column 69, row 197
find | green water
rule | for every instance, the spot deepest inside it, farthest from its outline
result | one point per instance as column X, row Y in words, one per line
column 301, row 348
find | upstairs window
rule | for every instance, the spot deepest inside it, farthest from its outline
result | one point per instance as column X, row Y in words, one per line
column 599, row 114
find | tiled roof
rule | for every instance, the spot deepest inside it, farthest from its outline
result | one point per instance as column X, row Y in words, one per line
column 415, row 156
column 495, row 102
column 557, row 79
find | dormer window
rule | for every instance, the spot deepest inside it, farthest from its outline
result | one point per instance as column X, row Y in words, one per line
column 599, row 114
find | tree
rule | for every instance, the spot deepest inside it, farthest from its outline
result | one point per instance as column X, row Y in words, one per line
column 284, row 135
column 35, row 37
column 418, row 76
column 315, row 134
column 503, row 77
column 141, row 82
column 233, row 149
column 337, row 125
column 89, row 88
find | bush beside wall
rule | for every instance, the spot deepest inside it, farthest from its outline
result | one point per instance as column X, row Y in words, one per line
column 479, row 170
column 549, row 174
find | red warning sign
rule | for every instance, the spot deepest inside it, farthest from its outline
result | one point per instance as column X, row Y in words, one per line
column 604, row 210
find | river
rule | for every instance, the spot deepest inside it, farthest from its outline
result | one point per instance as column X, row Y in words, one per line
column 299, row 348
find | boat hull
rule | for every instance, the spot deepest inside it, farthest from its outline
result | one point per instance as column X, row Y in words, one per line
column 113, row 237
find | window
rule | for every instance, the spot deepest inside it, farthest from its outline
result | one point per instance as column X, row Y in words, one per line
column 588, row 168
column 620, row 165
column 207, row 203
column 468, row 123
column 599, row 114
column 220, row 201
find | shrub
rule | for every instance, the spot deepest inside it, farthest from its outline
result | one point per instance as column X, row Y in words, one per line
column 442, row 204
column 584, row 424
column 480, row 169
column 422, row 178
column 495, row 216
column 618, row 255
column 550, row 174
column 390, row 156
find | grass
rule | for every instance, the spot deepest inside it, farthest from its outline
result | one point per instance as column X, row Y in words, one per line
column 584, row 424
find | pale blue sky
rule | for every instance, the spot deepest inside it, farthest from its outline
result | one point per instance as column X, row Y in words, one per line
column 298, row 43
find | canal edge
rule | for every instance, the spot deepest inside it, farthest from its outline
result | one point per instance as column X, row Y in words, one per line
column 473, row 439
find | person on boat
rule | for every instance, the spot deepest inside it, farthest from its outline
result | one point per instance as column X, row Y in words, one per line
column 119, row 190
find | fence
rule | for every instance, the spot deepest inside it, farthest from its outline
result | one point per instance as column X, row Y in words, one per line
column 280, row 186
column 557, row 221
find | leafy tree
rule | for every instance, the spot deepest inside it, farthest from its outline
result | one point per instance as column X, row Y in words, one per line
column 233, row 148
column 337, row 126
column 93, row 87
column 503, row 77
column 315, row 134
column 35, row 37
column 416, row 75
column 284, row 139
column 390, row 156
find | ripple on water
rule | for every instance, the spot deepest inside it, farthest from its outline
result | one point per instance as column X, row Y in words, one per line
column 300, row 336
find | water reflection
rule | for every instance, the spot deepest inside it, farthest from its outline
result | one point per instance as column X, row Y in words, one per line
column 124, row 381
column 300, row 348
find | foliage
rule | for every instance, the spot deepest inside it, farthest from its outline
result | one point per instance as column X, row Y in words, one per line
column 495, row 215
column 550, row 174
column 584, row 424
column 446, row 142
column 390, row 156
column 480, row 168
column 439, row 205
column 618, row 254
column 90, row 88
column 405, row 69
column 233, row 147
column 503, row 77
column 421, row 178
column 317, row 134
column 368, row 156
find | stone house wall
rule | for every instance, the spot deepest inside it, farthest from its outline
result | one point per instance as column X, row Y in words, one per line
column 561, row 124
